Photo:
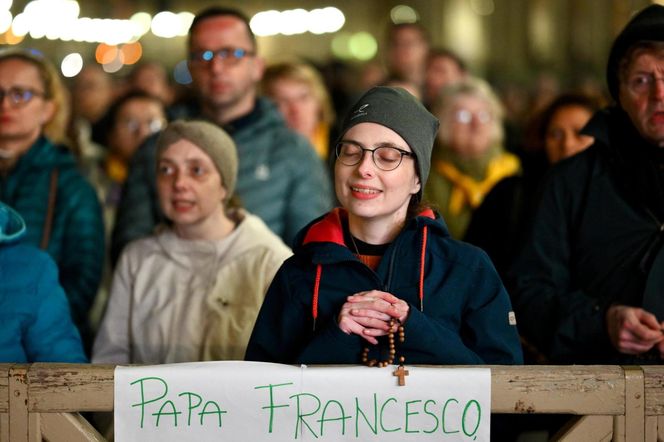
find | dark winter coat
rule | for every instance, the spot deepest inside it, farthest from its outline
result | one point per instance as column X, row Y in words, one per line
column 596, row 234
column 458, row 316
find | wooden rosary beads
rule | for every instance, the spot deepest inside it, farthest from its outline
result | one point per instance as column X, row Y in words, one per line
column 392, row 348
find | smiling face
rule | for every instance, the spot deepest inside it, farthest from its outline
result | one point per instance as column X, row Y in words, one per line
column 228, row 85
column 369, row 194
column 642, row 94
column 190, row 190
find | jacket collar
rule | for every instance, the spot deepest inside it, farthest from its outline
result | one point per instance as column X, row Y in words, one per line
column 330, row 227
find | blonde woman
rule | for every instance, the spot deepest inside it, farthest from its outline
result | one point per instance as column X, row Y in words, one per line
column 301, row 96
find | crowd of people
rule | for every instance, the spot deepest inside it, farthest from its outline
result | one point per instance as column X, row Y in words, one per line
column 265, row 216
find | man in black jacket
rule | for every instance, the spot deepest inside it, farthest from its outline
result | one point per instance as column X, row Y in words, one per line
column 589, row 286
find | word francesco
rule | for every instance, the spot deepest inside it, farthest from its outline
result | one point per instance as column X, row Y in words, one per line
column 309, row 413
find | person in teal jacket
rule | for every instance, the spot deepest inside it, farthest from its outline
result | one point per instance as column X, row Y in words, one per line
column 36, row 324
column 380, row 280
column 41, row 181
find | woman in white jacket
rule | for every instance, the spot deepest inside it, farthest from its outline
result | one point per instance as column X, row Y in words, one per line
column 192, row 291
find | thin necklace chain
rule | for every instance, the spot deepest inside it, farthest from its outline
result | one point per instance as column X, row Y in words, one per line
column 353, row 241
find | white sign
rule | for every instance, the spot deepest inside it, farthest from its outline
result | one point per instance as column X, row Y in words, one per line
column 252, row 401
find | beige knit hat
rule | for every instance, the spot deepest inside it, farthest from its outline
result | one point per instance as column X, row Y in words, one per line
column 210, row 138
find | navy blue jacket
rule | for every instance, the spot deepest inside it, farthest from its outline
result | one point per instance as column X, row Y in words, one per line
column 462, row 317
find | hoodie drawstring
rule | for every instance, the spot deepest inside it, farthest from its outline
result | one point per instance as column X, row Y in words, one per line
column 314, row 304
column 422, row 254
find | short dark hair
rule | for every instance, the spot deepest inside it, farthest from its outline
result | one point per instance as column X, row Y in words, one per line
column 221, row 11
column 447, row 53
column 571, row 99
column 103, row 128
column 396, row 27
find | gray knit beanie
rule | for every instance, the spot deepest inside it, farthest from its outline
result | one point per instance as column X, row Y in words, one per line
column 647, row 25
column 396, row 109
column 210, row 138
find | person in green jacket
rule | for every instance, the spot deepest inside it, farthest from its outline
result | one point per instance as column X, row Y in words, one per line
column 40, row 179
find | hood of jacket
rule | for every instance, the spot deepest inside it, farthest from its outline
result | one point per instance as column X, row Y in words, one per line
column 250, row 233
column 635, row 164
column 45, row 155
column 12, row 226
column 322, row 236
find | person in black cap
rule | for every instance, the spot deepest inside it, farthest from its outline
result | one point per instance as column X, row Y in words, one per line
column 379, row 280
column 589, row 286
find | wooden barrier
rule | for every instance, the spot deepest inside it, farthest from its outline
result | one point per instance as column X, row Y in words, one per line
column 612, row 402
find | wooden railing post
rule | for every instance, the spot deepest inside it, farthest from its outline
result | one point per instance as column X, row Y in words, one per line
column 22, row 426
column 635, row 404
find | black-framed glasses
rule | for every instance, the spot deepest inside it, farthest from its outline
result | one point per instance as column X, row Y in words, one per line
column 19, row 96
column 384, row 157
column 227, row 55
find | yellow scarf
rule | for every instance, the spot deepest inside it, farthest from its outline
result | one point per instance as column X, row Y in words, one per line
column 466, row 191
column 116, row 169
column 321, row 140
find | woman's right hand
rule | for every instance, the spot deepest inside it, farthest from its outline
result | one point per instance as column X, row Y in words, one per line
column 368, row 314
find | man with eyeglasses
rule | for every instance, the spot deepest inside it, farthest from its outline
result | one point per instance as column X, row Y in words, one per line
column 280, row 178
column 589, row 287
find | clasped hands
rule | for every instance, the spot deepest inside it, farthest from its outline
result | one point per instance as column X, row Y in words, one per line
column 633, row 330
column 368, row 314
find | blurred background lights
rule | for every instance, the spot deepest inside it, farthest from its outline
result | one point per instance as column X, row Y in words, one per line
column 297, row 21
column 363, row 46
column 131, row 52
column 113, row 66
column 20, row 25
column 293, row 22
column 265, row 23
column 59, row 19
column 185, row 22
column 482, row 7
column 143, row 20
column 403, row 14
column 341, row 46
column 181, row 73
column 71, row 65
column 5, row 20
column 105, row 53
column 166, row 24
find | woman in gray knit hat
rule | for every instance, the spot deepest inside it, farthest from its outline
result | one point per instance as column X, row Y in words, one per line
column 192, row 291
column 379, row 280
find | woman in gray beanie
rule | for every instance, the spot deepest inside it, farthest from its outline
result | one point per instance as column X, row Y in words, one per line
column 379, row 280
column 192, row 291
